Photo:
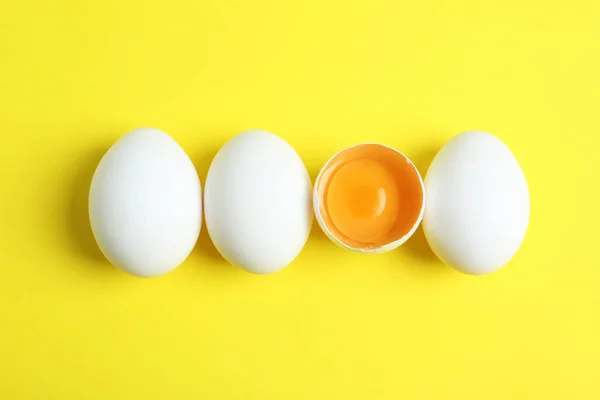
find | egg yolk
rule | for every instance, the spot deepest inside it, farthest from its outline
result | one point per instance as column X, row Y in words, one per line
column 369, row 196
column 362, row 200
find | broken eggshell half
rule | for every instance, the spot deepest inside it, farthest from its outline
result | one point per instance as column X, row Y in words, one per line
column 369, row 198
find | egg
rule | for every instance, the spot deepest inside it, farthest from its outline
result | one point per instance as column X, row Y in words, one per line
column 477, row 208
column 257, row 202
column 145, row 203
column 369, row 198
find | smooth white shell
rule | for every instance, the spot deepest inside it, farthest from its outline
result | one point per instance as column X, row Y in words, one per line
column 145, row 203
column 477, row 209
column 257, row 202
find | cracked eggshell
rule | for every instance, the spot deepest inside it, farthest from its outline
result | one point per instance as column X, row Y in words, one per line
column 410, row 195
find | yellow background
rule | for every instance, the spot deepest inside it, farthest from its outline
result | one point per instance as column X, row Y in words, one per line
column 76, row 75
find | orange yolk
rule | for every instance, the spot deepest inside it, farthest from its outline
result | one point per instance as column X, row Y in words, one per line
column 362, row 200
column 369, row 196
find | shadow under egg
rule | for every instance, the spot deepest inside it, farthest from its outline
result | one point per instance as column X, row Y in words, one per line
column 211, row 261
column 79, row 231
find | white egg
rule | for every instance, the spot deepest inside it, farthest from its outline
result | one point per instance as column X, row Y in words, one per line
column 477, row 206
column 257, row 202
column 145, row 203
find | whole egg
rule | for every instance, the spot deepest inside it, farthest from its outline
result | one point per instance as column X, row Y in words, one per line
column 477, row 203
column 145, row 203
column 257, row 202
